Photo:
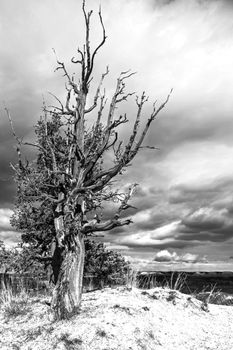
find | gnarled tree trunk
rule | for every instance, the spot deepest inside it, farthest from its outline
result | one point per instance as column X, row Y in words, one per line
column 68, row 286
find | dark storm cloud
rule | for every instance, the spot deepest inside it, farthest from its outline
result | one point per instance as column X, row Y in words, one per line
column 203, row 211
column 207, row 224
column 167, row 138
column 210, row 205
column 194, row 193
column 158, row 244
column 215, row 194
column 201, row 224
column 155, row 221
column 8, row 192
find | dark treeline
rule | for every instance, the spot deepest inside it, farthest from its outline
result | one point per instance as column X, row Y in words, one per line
column 188, row 282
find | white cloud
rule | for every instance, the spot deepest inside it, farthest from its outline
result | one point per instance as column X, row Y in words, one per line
column 189, row 258
column 165, row 255
column 5, row 215
column 10, row 238
column 117, row 247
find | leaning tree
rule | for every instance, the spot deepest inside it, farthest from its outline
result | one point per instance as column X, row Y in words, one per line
column 59, row 193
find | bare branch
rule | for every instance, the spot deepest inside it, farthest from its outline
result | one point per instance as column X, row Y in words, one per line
column 140, row 104
column 105, row 176
column 35, row 145
column 54, row 200
column 68, row 102
column 87, row 17
column 124, row 98
column 104, row 37
column 96, row 128
column 108, row 129
column 121, row 120
column 149, row 121
column 19, row 142
column 113, row 142
column 124, row 203
column 103, row 102
column 57, row 99
column 49, row 143
column 150, row 147
column 118, row 151
column 106, row 226
column 97, row 92
column 125, row 75
column 12, row 126
column 62, row 66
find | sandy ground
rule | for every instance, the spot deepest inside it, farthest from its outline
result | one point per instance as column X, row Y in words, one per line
column 123, row 319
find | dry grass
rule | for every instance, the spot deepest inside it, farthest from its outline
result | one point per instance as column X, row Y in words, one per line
column 131, row 278
column 14, row 305
column 176, row 281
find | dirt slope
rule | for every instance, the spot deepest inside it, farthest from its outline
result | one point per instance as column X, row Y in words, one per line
column 126, row 320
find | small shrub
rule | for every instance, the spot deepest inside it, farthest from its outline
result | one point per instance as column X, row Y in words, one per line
column 122, row 308
column 145, row 308
column 109, row 267
column 32, row 334
column 151, row 334
column 141, row 344
column 151, row 296
column 144, row 293
column 14, row 305
column 101, row 333
column 172, row 297
column 205, row 306
column 70, row 344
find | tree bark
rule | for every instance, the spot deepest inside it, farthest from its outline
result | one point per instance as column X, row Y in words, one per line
column 67, row 293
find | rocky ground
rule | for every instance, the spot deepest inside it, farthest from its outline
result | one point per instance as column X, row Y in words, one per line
column 122, row 319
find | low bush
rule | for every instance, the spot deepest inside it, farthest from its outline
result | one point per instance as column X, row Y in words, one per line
column 14, row 305
column 108, row 266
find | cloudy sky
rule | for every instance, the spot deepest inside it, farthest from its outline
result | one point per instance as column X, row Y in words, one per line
column 185, row 198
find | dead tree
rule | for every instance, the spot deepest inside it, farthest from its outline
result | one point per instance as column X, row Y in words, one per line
column 70, row 178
